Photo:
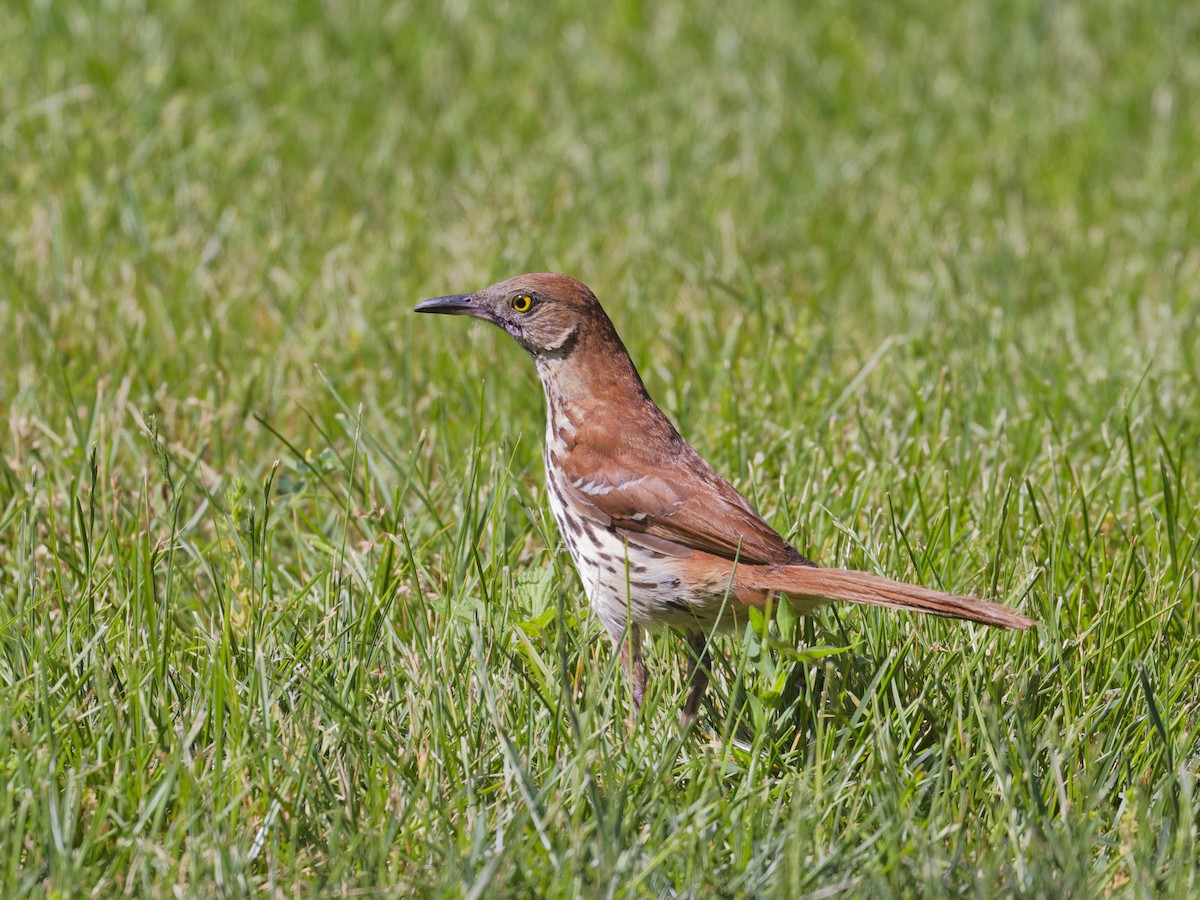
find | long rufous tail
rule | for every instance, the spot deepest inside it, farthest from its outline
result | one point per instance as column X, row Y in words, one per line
column 811, row 586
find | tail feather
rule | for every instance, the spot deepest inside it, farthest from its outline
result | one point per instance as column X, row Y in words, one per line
column 809, row 586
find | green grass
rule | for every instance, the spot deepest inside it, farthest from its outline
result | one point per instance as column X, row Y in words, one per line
column 282, row 605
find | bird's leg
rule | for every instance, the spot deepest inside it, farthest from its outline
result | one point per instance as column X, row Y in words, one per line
column 631, row 661
column 698, row 672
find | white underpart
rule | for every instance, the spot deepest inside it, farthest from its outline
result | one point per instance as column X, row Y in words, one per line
column 619, row 578
column 622, row 578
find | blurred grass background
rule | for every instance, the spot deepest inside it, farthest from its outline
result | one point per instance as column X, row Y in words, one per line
column 282, row 607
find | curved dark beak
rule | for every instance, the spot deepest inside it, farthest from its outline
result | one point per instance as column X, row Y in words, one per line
column 454, row 305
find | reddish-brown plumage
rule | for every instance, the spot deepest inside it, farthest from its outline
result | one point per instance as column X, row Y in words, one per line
column 659, row 538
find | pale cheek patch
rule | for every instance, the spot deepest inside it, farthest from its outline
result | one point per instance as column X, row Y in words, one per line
column 558, row 342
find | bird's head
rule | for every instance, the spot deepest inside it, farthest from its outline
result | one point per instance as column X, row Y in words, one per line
column 547, row 314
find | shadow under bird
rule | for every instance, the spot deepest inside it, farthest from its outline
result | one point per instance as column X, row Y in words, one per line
column 659, row 538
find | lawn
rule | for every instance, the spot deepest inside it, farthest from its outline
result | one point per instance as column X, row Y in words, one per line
column 282, row 605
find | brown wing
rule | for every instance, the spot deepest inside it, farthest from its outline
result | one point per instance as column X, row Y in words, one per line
column 667, row 490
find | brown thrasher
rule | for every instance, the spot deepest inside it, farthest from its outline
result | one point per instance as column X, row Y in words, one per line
column 660, row 539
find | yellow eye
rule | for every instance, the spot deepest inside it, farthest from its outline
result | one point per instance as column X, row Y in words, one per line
column 522, row 302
